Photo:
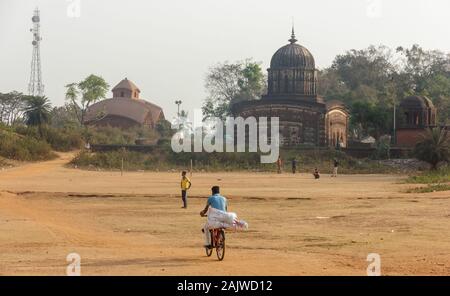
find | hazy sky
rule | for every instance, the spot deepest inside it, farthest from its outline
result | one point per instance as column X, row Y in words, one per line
column 166, row 47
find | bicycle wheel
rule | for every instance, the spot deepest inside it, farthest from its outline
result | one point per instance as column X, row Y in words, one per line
column 220, row 248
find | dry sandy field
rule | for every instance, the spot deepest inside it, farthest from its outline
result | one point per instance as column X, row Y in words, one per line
column 134, row 225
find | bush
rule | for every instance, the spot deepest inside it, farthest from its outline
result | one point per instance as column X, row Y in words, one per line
column 60, row 139
column 441, row 175
column 13, row 146
column 116, row 136
column 434, row 147
column 63, row 139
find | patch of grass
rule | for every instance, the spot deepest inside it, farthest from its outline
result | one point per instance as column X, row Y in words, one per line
column 430, row 188
column 431, row 177
column 162, row 158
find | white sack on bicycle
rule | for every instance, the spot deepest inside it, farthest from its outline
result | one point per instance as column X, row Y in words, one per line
column 221, row 219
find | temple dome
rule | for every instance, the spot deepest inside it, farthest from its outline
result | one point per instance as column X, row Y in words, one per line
column 126, row 89
column 292, row 73
column 125, row 109
column 293, row 55
column 126, row 84
column 416, row 102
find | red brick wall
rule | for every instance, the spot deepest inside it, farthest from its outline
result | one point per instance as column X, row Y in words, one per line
column 408, row 137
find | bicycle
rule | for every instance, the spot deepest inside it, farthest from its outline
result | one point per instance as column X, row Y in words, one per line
column 217, row 242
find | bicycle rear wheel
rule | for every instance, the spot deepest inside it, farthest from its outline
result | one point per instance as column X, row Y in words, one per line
column 220, row 248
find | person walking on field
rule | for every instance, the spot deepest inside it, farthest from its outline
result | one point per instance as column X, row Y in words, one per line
column 294, row 166
column 185, row 186
column 335, row 167
column 279, row 164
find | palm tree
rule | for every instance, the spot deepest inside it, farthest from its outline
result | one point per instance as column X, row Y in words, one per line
column 37, row 111
column 434, row 147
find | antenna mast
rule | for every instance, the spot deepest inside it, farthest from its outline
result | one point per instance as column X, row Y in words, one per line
column 35, row 87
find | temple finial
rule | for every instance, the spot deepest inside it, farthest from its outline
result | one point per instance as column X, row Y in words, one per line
column 293, row 39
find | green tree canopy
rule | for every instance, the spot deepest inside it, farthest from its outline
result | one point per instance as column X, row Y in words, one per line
column 374, row 79
column 37, row 111
column 230, row 82
column 82, row 94
column 11, row 107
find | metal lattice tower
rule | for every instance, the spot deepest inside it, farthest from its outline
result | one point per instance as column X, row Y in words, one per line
column 35, row 87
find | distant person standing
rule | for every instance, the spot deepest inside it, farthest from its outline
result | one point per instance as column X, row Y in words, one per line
column 335, row 167
column 185, row 186
column 294, row 166
column 316, row 174
column 279, row 164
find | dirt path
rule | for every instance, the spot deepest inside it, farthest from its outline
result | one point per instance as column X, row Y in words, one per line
column 133, row 224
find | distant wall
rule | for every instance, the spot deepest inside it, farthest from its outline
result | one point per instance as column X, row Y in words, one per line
column 408, row 137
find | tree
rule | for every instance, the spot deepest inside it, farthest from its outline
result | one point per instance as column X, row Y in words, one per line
column 164, row 128
column 374, row 79
column 83, row 94
column 227, row 83
column 331, row 85
column 421, row 65
column 371, row 67
column 427, row 72
column 63, row 116
column 434, row 147
column 11, row 107
column 370, row 119
column 37, row 111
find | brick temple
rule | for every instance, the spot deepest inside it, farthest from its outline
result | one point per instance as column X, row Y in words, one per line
column 305, row 118
column 125, row 109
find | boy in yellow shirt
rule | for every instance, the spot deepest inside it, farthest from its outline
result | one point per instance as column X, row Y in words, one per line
column 185, row 185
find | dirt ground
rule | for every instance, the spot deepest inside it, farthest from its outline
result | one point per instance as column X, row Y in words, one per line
column 134, row 225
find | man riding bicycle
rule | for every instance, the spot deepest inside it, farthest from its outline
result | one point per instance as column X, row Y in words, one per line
column 215, row 201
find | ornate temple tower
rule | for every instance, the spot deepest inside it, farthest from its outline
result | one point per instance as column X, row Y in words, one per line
column 292, row 97
column 292, row 71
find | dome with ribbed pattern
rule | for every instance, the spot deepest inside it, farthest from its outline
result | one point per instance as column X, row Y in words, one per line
column 292, row 72
column 293, row 55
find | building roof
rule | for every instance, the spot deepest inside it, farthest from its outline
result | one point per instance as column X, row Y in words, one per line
column 126, row 84
column 139, row 111
column 336, row 104
column 133, row 108
column 416, row 102
column 293, row 55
